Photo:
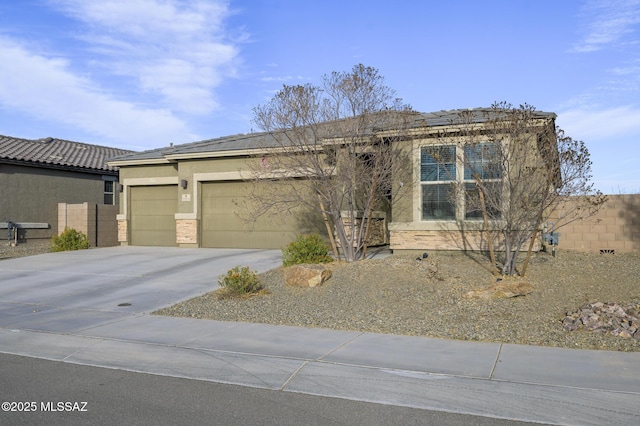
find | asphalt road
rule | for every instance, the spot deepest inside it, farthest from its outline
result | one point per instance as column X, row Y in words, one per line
column 100, row 396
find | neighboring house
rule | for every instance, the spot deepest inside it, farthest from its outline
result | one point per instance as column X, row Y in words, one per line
column 36, row 175
column 189, row 195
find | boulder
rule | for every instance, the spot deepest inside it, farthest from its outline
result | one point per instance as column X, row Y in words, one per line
column 306, row 275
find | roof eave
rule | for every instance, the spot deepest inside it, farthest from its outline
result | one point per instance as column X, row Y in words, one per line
column 139, row 162
column 54, row 166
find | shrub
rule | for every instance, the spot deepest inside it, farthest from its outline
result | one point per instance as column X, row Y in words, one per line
column 69, row 239
column 240, row 280
column 306, row 249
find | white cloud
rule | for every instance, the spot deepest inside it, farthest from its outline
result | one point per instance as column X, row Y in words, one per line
column 606, row 124
column 46, row 88
column 612, row 136
column 281, row 78
column 608, row 22
column 176, row 50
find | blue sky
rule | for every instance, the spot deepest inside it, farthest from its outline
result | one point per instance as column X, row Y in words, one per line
column 140, row 74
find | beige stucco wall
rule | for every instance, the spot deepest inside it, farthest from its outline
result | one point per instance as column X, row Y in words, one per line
column 195, row 173
column 408, row 232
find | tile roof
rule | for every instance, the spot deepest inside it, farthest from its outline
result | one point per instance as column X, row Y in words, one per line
column 261, row 140
column 59, row 153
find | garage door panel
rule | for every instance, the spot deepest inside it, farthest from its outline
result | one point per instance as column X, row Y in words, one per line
column 159, row 206
column 153, row 210
column 222, row 227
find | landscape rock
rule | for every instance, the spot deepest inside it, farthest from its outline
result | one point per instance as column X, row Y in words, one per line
column 619, row 320
column 501, row 290
column 306, row 275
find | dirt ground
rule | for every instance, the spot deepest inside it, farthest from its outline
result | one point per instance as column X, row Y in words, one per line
column 403, row 295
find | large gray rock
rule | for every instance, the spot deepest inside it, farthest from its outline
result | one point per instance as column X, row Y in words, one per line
column 306, row 275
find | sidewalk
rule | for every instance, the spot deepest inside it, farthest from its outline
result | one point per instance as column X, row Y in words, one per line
column 535, row 384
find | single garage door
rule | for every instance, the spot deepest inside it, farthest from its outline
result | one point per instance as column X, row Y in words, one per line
column 221, row 226
column 153, row 209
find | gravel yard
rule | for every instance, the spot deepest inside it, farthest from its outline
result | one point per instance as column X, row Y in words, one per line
column 30, row 248
column 401, row 295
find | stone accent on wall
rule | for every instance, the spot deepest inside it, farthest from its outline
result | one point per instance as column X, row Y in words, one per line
column 122, row 230
column 377, row 232
column 437, row 240
column 187, row 231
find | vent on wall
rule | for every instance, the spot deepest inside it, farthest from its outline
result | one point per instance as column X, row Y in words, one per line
column 607, row 251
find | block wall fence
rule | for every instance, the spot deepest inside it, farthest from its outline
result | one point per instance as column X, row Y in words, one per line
column 614, row 229
column 97, row 221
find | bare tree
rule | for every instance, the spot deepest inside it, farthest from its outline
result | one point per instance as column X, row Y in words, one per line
column 330, row 149
column 519, row 169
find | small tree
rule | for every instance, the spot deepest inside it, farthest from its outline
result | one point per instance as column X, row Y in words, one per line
column 519, row 169
column 330, row 148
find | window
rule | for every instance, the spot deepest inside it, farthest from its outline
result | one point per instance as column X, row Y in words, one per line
column 442, row 167
column 437, row 173
column 480, row 160
column 108, row 192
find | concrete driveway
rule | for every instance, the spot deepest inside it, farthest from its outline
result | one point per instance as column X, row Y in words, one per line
column 58, row 291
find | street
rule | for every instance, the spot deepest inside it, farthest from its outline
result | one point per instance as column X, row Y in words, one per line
column 75, row 394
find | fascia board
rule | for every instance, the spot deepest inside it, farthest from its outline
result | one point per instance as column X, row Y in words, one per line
column 143, row 162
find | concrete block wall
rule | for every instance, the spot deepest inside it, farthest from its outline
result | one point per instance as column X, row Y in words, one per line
column 107, row 225
column 97, row 221
column 614, row 229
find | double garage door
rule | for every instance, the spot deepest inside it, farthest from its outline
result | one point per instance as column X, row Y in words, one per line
column 222, row 226
column 153, row 223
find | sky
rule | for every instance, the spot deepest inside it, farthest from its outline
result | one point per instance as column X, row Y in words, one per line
column 141, row 74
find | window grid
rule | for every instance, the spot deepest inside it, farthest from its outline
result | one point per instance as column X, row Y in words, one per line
column 438, row 167
column 108, row 192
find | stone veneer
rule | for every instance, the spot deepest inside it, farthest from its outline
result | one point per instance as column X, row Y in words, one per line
column 187, row 231
column 437, row 240
column 122, row 231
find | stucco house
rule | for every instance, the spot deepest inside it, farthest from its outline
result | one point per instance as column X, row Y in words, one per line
column 36, row 175
column 189, row 194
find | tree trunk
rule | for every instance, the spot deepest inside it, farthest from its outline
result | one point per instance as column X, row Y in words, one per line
column 492, row 255
column 332, row 239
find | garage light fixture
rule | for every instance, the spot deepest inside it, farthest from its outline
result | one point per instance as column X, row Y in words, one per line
column 183, row 183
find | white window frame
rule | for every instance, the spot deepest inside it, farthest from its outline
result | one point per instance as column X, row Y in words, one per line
column 460, row 207
column 106, row 179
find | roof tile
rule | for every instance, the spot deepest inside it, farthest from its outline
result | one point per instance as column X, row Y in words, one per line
column 59, row 152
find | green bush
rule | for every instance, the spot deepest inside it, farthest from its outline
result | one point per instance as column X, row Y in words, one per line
column 240, row 280
column 306, row 249
column 69, row 239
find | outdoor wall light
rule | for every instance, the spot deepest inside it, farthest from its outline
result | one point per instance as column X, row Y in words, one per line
column 183, row 183
column 120, row 187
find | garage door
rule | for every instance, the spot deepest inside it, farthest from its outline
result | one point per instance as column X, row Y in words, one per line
column 153, row 209
column 221, row 226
